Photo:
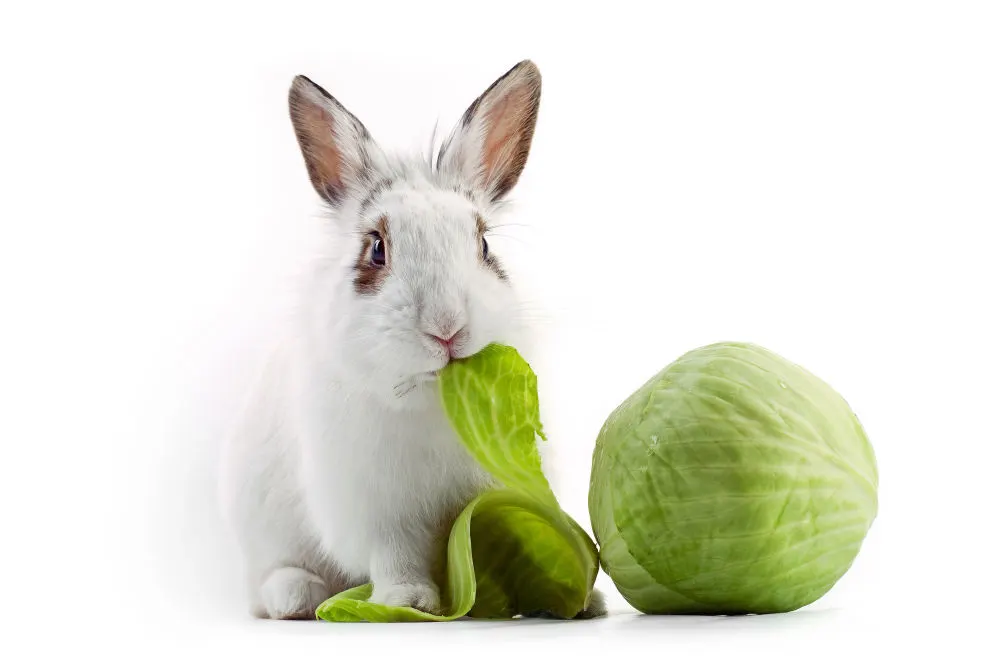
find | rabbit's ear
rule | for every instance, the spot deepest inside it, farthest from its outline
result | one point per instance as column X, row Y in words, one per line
column 490, row 145
column 338, row 149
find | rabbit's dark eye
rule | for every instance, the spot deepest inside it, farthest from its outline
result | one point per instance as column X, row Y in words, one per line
column 377, row 250
column 485, row 249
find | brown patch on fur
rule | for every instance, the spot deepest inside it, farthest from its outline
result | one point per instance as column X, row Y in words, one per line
column 375, row 191
column 493, row 265
column 369, row 277
column 491, row 262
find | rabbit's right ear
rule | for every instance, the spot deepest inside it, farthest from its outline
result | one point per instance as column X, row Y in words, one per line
column 338, row 149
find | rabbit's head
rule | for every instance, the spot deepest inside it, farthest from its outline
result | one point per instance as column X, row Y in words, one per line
column 409, row 281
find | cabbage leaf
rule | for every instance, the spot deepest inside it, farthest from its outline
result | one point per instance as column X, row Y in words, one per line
column 512, row 551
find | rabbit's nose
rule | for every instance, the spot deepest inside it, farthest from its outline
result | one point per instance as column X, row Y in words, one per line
column 450, row 342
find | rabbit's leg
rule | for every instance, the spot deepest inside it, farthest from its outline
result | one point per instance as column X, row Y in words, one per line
column 292, row 593
column 401, row 571
column 289, row 577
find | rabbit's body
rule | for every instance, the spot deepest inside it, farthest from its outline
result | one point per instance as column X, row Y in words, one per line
column 386, row 483
column 343, row 468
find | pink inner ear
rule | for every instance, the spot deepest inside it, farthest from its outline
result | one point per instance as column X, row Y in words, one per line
column 506, row 122
column 318, row 137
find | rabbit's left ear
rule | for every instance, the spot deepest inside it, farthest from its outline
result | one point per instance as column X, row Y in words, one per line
column 490, row 145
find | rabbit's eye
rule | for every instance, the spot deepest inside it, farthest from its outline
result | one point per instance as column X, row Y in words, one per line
column 377, row 250
column 485, row 249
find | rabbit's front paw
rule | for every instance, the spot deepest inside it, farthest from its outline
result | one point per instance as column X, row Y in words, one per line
column 290, row 593
column 422, row 596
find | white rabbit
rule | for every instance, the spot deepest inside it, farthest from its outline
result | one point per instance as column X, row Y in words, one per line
column 343, row 467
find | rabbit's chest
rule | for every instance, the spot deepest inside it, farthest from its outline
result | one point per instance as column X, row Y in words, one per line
column 370, row 479
column 395, row 467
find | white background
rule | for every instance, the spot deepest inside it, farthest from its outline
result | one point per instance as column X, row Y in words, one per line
column 822, row 179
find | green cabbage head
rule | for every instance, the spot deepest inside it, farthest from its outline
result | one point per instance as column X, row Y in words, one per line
column 732, row 482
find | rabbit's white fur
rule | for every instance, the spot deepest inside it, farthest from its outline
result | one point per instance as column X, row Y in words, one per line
column 343, row 468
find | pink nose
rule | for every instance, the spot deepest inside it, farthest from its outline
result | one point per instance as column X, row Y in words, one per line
column 447, row 343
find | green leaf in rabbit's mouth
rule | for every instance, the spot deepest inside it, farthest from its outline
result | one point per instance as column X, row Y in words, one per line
column 512, row 551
